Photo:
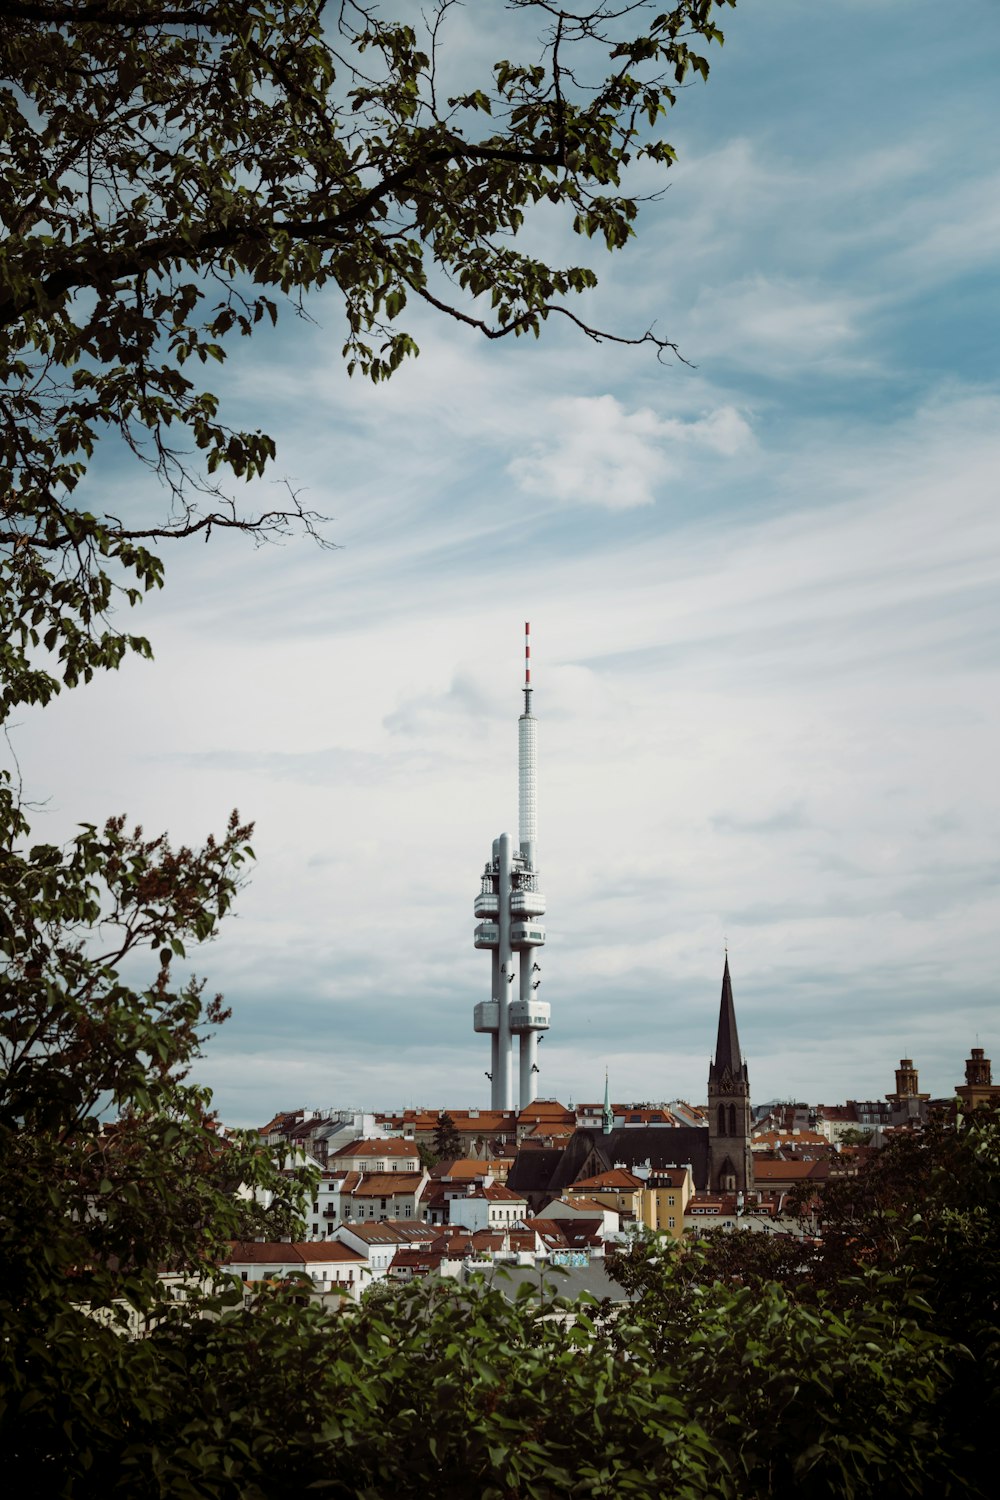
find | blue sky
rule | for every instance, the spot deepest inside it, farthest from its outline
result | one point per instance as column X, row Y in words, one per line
column 764, row 602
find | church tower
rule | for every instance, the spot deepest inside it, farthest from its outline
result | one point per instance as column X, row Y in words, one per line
column 730, row 1161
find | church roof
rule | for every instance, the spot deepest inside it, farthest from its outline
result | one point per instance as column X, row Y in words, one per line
column 591, row 1152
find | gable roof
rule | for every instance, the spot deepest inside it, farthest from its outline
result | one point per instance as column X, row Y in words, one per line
column 589, row 1206
column 284, row 1253
column 388, row 1231
column 618, row 1179
column 381, row 1184
column 392, row 1146
column 464, row 1167
column 765, row 1172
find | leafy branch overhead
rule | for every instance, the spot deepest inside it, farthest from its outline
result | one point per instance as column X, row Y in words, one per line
column 175, row 175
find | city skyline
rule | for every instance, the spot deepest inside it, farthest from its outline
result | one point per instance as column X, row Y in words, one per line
column 764, row 596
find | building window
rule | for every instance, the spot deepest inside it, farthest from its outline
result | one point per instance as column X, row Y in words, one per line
column 670, row 1200
column 316, row 1207
column 671, row 1222
column 315, row 1229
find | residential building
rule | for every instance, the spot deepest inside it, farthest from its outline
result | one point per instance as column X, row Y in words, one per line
column 759, row 1211
column 328, row 1266
column 488, row 1206
column 390, row 1155
column 664, row 1199
column 378, row 1243
column 345, row 1195
column 584, row 1210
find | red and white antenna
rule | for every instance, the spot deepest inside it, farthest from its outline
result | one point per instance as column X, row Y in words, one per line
column 527, row 763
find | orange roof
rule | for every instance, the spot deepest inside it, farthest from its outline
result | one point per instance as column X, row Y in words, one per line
column 281, row 1252
column 617, row 1179
column 390, row 1230
column 788, row 1171
column 495, row 1193
column 463, row 1166
column 549, row 1110
column 383, row 1184
column 552, row 1231
column 726, row 1203
column 479, row 1120
column 591, row 1205
column 394, row 1146
column 794, row 1139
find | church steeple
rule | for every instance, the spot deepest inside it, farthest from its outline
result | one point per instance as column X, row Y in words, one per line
column 607, row 1116
column 731, row 1166
column 727, row 1046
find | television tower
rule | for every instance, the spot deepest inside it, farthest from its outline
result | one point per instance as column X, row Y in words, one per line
column 509, row 906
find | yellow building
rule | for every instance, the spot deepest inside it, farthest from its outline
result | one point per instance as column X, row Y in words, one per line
column 654, row 1201
column 665, row 1196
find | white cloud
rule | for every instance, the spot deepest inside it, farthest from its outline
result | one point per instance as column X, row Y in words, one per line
column 599, row 453
column 774, row 323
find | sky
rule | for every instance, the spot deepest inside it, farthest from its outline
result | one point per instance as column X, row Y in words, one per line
column 763, row 591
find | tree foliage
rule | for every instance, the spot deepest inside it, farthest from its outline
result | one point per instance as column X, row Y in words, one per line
column 910, row 1250
column 174, row 175
column 447, row 1143
column 112, row 1167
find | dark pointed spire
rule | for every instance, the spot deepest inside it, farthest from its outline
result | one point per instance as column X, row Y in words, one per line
column 727, row 1046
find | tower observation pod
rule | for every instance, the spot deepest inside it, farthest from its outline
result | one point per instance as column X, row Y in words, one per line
column 508, row 913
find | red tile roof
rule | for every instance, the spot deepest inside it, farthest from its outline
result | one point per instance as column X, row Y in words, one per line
column 383, row 1184
column 394, row 1146
column 589, row 1204
column 619, row 1178
column 552, row 1231
column 281, row 1252
column 767, row 1172
column 548, row 1110
column 390, row 1231
column 463, row 1167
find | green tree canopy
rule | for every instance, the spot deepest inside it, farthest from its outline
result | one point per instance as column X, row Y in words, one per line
column 447, row 1143
column 175, row 174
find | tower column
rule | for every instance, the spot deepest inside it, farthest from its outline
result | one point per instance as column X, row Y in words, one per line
column 529, row 1067
column 504, row 1068
column 494, row 1037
